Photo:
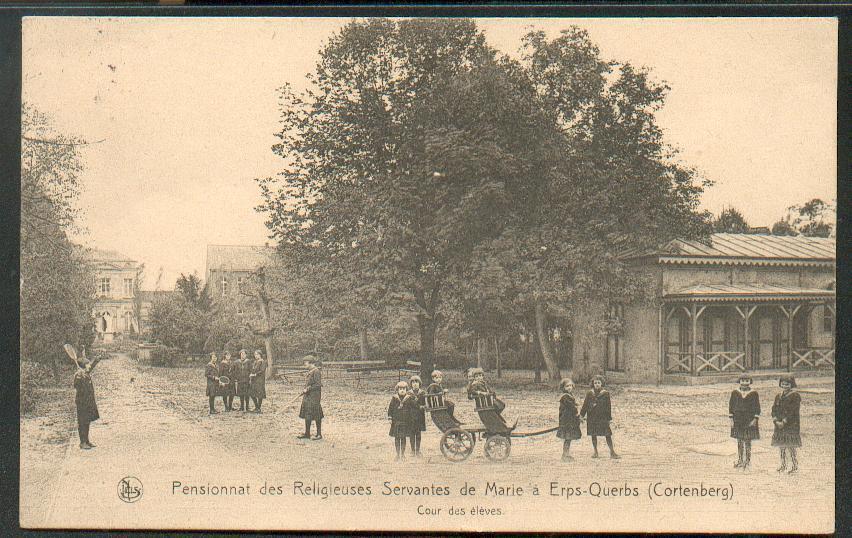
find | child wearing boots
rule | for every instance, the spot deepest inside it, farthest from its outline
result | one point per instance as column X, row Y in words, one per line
column 744, row 410
column 597, row 410
column 569, row 418
column 227, row 370
column 437, row 387
column 785, row 415
column 399, row 415
column 416, row 405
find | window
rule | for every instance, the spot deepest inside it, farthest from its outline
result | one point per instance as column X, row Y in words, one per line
column 614, row 342
column 128, row 287
column 224, row 286
column 827, row 319
column 103, row 286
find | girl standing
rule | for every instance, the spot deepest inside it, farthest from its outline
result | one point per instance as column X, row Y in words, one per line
column 744, row 409
column 597, row 409
column 243, row 369
column 417, row 415
column 257, row 380
column 785, row 415
column 398, row 414
column 226, row 369
column 311, row 409
column 211, row 372
column 84, row 399
column 569, row 418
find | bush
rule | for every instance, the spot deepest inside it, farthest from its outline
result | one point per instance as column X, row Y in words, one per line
column 34, row 376
column 165, row 356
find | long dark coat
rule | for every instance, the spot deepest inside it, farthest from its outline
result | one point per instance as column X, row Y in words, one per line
column 417, row 414
column 400, row 415
column 785, row 411
column 211, row 372
column 569, row 418
column 311, row 407
column 597, row 408
column 228, row 369
column 744, row 408
column 257, row 379
column 242, row 369
column 87, row 408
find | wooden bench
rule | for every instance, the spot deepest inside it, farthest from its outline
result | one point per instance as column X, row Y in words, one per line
column 411, row 368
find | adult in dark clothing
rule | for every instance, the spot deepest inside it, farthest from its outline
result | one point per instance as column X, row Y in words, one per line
column 399, row 414
column 227, row 370
column 744, row 410
column 311, row 409
column 242, row 370
column 257, row 380
column 416, row 404
column 785, row 415
column 569, row 418
column 87, row 407
column 597, row 409
column 211, row 373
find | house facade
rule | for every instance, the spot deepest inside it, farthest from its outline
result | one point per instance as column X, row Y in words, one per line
column 116, row 307
column 758, row 303
column 229, row 266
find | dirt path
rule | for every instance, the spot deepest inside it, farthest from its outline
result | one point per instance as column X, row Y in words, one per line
column 156, row 428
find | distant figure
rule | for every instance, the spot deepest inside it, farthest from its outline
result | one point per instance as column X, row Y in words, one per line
column 785, row 415
column 437, row 387
column 226, row 369
column 211, row 372
column 311, row 409
column 597, row 409
column 399, row 415
column 242, row 370
column 257, row 380
column 417, row 418
column 87, row 408
column 569, row 418
column 744, row 409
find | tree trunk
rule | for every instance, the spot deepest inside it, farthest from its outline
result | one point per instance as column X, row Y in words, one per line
column 497, row 352
column 426, row 325
column 544, row 343
column 536, row 358
column 479, row 352
column 362, row 337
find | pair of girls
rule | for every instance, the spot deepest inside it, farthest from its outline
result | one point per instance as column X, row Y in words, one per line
column 744, row 410
column 407, row 414
column 597, row 410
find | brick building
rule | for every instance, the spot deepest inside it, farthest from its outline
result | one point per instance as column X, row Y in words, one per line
column 228, row 266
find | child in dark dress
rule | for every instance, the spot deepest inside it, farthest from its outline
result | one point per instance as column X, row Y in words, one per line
column 785, row 415
column 569, row 418
column 478, row 387
column 597, row 409
column 416, row 405
column 84, row 399
column 744, row 409
column 399, row 414
column 438, row 388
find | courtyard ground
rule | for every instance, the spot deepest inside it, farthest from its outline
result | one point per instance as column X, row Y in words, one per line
column 155, row 428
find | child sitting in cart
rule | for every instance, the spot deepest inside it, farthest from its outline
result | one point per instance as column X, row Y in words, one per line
column 478, row 387
column 437, row 387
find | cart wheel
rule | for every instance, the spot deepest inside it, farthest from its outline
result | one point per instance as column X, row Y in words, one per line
column 497, row 447
column 456, row 444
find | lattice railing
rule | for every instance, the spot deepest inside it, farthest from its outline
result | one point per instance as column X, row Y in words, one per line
column 813, row 358
column 677, row 362
column 719, row 362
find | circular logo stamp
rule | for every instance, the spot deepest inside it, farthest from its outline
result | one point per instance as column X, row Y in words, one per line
column 130, row 489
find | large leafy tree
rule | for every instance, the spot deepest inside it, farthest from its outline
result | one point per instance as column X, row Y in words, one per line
column 405, row 155
column 57, row 288
column 730, row 220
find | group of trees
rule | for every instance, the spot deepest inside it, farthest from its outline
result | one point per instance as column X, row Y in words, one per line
column 57, row 287
column 814, row 218
column 426, row 173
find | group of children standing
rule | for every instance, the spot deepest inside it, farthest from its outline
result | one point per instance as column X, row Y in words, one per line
column 243, row 378
column 406, row 412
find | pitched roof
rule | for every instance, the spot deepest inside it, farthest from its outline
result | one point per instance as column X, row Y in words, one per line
column 729, row 248
column 237, row 257
column 740, row 292
column 102, row 255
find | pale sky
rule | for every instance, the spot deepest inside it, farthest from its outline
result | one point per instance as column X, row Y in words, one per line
column 187, row 110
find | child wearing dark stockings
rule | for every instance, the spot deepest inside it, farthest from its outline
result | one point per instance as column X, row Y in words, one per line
column 569, row 418
column 597, row 409
column 785, row 415
column 744, row 409
column 399, row 414
column 416, row 405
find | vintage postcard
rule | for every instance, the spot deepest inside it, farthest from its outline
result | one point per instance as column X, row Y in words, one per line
column 428, row 274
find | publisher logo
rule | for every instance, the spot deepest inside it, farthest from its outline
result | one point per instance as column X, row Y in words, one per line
column 130, row 489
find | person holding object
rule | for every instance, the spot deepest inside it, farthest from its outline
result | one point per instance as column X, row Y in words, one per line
column 227, row 371
column 311, row 409
column 87, row 407
column 785, row 415
column 257, row 380
column 597, row 409
column 211, row 372
column 744, row 410
column 242, row 370
column 569, row 418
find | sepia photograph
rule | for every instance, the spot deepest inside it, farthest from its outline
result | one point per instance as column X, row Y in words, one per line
column 428, row 274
